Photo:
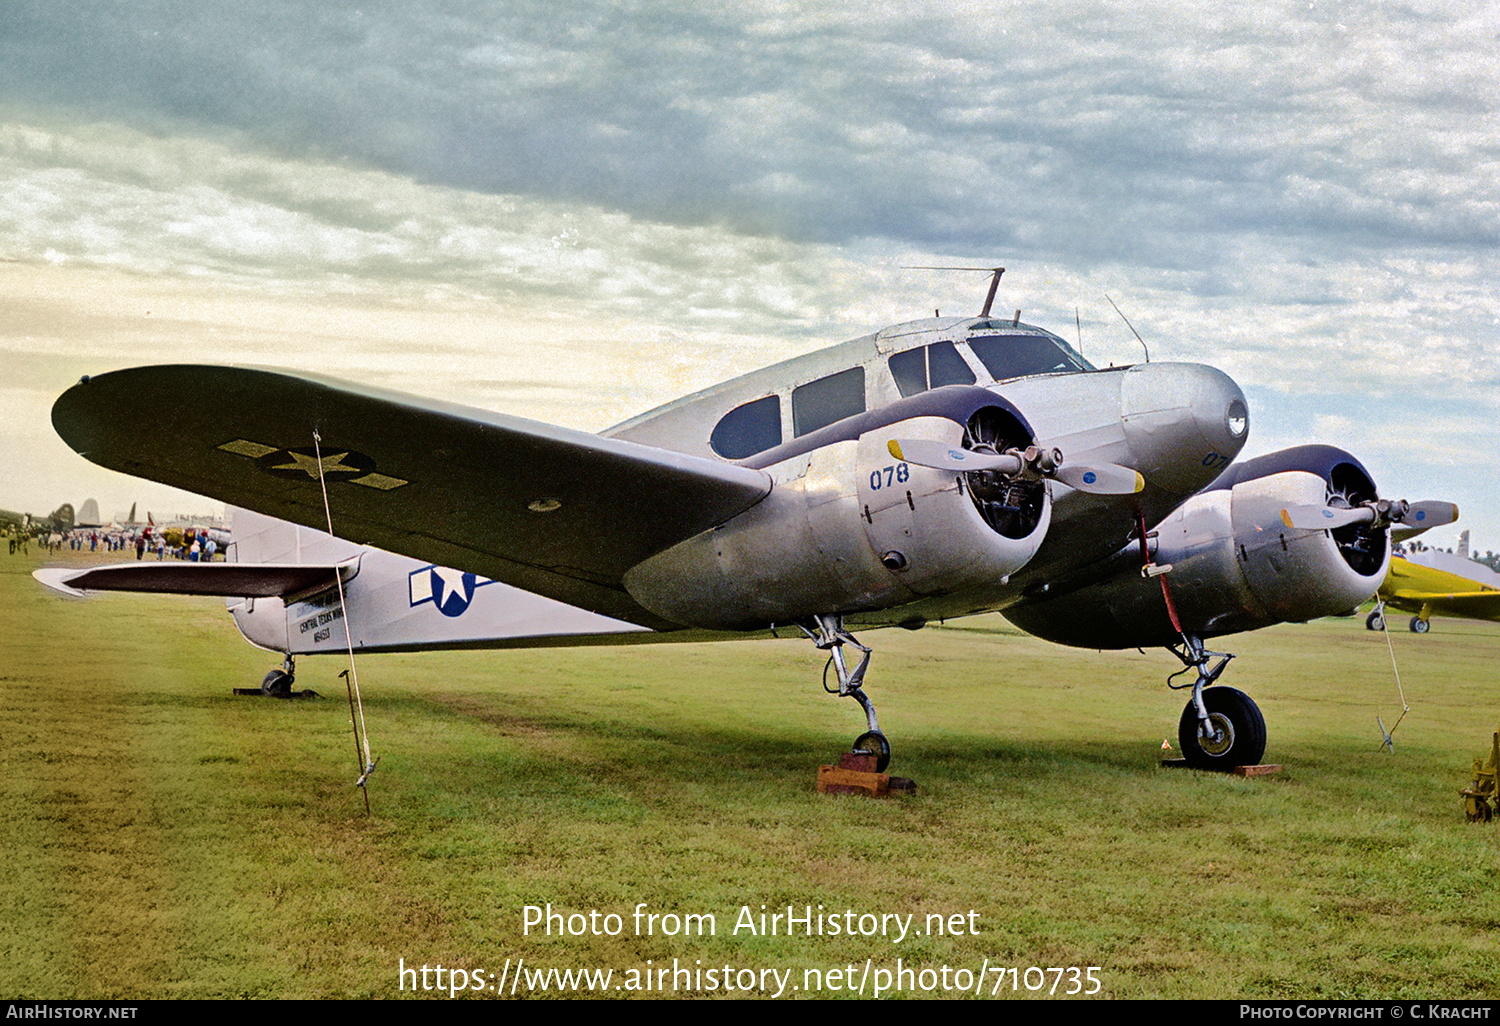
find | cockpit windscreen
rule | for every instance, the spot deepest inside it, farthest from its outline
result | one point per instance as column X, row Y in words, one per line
column 1019, row 356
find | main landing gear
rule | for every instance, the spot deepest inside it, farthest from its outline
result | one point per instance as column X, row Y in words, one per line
column 1221, row 728
column 1418, row 624
column 830, row 635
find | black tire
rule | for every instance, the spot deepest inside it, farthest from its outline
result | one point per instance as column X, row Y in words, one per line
column 1419, row 625
column 1242, row 738
column 873, row 742
column 1374, row 622
column 277, row 684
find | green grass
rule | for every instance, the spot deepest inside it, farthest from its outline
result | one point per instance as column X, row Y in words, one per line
column 165, row 839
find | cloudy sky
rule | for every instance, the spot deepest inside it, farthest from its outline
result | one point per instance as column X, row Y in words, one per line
column 575, row 211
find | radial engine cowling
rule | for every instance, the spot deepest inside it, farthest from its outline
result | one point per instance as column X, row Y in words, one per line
column 849, row 528
column 1235, row 565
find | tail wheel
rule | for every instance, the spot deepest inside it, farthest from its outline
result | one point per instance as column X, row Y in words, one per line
column 277, row 684
column 1234, row 736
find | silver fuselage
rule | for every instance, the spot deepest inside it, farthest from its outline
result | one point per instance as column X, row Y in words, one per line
column 1178, row 424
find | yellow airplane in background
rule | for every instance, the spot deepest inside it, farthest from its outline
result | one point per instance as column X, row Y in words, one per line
column 1431, row 582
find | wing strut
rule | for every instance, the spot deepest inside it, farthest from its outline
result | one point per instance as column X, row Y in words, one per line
column 351, row 675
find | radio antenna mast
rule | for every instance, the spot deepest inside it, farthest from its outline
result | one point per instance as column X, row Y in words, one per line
column 1137, row 334
column 994, row 272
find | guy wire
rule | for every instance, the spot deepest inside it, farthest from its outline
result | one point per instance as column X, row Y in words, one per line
column 361, row 734
column 1388, row 742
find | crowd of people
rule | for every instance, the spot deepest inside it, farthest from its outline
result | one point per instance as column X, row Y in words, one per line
column 196, row 544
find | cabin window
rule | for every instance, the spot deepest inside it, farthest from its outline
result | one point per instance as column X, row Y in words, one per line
column 748, row 429
column 934, row 366
column 1019, row 356
column 910, row 371
column 819, row 403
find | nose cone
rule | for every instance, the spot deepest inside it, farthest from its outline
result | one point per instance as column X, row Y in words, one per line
column 1184, row 423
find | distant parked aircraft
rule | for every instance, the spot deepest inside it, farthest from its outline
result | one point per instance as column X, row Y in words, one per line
column 1430, row 582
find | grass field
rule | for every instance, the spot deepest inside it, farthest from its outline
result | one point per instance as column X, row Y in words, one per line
column 165, row 839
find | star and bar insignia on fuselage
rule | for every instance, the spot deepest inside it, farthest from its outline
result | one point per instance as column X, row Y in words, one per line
column 304, row 463
column 451, row 591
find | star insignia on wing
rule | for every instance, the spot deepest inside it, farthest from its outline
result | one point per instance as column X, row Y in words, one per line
column 309, row 464
column 336, row 465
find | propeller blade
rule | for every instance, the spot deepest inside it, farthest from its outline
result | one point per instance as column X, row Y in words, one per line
column 937, row 456
column 1101, row 479
column 1430, row 513
column 1423, row 516
column 1324, row 518
column 1407, row 519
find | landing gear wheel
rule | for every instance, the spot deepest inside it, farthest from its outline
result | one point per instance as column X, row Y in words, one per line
column 873, row 742
column 277, row 684
column 1375, row 621
column 1238, row 736
column 1419, row 625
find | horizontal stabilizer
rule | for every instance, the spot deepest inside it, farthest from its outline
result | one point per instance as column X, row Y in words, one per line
column 229, row 580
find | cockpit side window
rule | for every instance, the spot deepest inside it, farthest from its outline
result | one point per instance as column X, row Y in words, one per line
column 946, row 367
column 910, row 371
column 819, row 403
column 917, row 370
column 1019, row 356
column 748, row 429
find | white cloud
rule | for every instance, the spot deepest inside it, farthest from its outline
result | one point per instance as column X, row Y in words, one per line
column 1302, row 193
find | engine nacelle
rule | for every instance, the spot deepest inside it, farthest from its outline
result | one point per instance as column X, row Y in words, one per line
column 849, row 528
column 1235, row 566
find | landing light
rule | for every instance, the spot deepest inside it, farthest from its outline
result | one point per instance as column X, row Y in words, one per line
column 1237, row 417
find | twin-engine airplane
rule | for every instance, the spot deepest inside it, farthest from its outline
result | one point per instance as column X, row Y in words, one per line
column 931, row 470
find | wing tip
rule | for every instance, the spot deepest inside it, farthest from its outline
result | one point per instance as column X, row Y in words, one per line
column 55, row 579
